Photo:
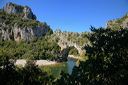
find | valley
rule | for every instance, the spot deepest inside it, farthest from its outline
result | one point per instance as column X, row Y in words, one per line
column 32, row 53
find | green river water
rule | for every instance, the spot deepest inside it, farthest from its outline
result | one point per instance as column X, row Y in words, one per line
column 56, row 69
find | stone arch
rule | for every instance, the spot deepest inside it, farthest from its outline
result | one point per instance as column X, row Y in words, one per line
column 65, row 52
column 73, row 50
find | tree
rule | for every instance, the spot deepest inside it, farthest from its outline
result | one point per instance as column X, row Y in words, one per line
column 107, row 60
column 32, row 75
column 8, row 72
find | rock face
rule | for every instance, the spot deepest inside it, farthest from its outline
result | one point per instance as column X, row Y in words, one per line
column 17, row 33
column 26, row 28
column 24, row 11
column 118, row 23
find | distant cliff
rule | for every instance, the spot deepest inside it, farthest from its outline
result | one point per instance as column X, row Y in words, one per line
column 19, row 23
column 24, row 11
column 118, row 23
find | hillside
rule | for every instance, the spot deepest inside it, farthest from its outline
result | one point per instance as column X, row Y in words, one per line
column 19, row 23
column 31, row 53
column 118, row 23
column 23, row 37
column 36, row 40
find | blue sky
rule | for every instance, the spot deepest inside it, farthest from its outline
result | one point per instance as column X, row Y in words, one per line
column 75, row 15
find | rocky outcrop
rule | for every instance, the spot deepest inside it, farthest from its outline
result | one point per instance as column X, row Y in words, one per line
column 26, row 28
column 16, row 33
column 24, row 11
column 118, row 23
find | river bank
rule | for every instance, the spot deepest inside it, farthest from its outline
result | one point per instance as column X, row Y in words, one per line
column 51, row 67
column 23, row 62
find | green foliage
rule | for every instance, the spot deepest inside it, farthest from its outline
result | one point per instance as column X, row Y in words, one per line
column 43, row 48
column 107, row 60
column 73, row 37
column 32, row 75
column 29, row 75
column 56, row 69
column 15, row 19
column 120, row 20
column 106, row 65
column 73, row 51
column 119, row 23
column 65, row 79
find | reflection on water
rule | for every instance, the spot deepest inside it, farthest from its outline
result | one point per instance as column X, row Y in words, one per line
column 55, row 70
column 70, row 64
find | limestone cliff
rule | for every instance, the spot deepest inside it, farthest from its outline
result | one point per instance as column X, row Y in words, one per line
column 118, row 23
column 24, row 11
column 17, row 33
column 13, row 26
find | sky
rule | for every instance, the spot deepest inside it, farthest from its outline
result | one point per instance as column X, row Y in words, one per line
column 74, row 15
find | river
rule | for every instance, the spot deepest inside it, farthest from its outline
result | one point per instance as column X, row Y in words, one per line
column 56, row 69
column 51, row 67
column 70, row 64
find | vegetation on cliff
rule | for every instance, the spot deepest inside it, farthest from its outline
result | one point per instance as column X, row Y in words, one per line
column 13, row 19
column 43, row 48
column 13, row 25
column 73, row 37
column 106, row 48
column 106, row 64
column 120, row 23
column 107, row 61
column 73, row 51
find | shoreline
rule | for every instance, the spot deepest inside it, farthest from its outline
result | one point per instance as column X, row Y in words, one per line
column 23, row 62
